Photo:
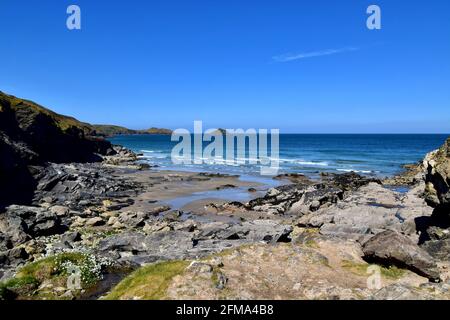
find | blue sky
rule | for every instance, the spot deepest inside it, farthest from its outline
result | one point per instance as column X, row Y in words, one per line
column 301, row 66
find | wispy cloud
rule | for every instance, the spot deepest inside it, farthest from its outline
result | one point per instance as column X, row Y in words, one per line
column 292, row 57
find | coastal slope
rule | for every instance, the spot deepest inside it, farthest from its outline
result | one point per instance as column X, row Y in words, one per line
column 31, row 135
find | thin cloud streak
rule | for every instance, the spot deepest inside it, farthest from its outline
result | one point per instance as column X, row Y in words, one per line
column 329, row 52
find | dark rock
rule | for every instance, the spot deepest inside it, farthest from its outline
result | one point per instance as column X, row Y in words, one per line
column 393, row 248
column 17, row 255
column 31, row 135
column 5, row 242
column 45, row 224
column 438, row 249
column 71, row 237
column 226, row 186
column 347, row 181
column 156, row 211
column 133, row 219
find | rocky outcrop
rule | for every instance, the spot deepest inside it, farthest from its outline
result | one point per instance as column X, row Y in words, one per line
column 306, row 196
column 31, row 135
column 392, row 248
column 436, row 171
column 437, row 178
column 188, row 243
column 370, row 210
column 78, row 186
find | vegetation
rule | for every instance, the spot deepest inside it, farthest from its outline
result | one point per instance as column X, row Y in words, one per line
column 391, row 272
column 53, row 270
column 149, row 282
column 63, row 122
column 66, row 123
column 109, row 130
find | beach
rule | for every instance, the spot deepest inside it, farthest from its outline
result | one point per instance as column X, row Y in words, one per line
column 226, row 235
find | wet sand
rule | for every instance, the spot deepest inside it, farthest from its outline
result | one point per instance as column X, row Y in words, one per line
column 193, row 191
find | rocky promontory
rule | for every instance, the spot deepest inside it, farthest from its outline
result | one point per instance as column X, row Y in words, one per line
column 32, row 136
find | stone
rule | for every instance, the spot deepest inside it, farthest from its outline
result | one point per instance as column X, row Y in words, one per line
column 132, row 219
column 392, row 248
column 46, row 223
column 60, row 211
column 438, row 249
column 16, row 255
column 95, row 222
column 71, row 237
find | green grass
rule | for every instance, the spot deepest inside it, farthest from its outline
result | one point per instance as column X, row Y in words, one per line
column 53, row 269
column 17, row 286
column 149, row 282
column 391, row 272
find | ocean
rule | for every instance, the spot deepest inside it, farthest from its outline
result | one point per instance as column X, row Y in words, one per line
column 379, row 155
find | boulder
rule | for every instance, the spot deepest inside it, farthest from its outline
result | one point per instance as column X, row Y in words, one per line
column 392, row 248
column 95, row 222
column 23, row 222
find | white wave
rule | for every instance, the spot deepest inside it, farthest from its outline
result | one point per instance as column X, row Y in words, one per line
column 356, row 171
column 302, row 162
column 312, row 163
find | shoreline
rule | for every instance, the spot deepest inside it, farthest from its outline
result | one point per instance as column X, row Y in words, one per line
column 161, row 216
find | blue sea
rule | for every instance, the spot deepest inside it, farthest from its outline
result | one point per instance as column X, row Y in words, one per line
column 374, row 154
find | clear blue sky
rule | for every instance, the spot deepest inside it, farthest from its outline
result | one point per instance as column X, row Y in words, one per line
column 167, row 63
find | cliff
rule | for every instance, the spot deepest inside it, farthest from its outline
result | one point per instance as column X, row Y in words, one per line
column 30, row 136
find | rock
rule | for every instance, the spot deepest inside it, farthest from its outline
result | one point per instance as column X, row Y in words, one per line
column 95, row 222
column 156, row 211
column 221, row 281
column 112, row 221
column 46, row 223
column 437, row 166
column 132, row 219
column 305, row 196
column 347, row 181
column 31, row 135
column 71, row 237
column 251, row 231
column 78, row 222
column 393, row 248
column 173, row 215
column 5, row 242
column 226, row 186
column 23, row 222
column 398, row 292
column 60, row 211
column 294, row 178
column 367, row 211
column 188, row 226
column 78, row 186
column 200, row 267
column 156, row 226
column 438, row 249
column 176, row 244
column 17, row 255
